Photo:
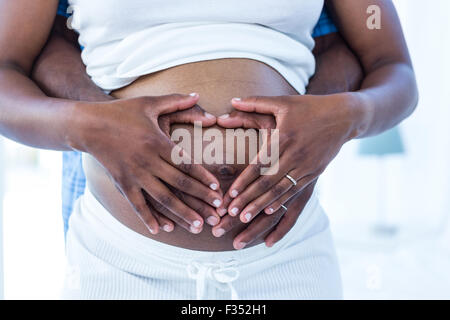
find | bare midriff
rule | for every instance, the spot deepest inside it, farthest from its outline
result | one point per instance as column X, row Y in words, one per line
column 217, row 82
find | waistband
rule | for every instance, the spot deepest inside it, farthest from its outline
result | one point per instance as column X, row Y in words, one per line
column 105, row 225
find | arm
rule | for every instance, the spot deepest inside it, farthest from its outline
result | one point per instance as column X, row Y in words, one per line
column 19, row 50
column 388, row 95
column 337, row 67
column 116, row 133
column 388, row 92
column 59, row 71
column 337, row 70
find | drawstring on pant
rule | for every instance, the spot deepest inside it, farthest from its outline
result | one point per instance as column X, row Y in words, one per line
column 221, row 273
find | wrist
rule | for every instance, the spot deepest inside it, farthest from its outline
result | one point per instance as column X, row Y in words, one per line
column 80, row 120
column 357, row 112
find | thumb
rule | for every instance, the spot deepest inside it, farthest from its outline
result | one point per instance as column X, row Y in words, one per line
column 239, row 119
column 267, row 105
column 192, row 115
column 175, row 102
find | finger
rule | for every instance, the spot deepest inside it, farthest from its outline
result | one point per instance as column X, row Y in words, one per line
column 267, row 105
column 178, row 221
column 295, row 207
column 258, row 205
column 226, row 224
column 164, row 223
column 173, row 103
column 239, row 119
column 186, row 165
column 254, row 170
column 208, row 213
column 137, row 200
column 157, row 190
column 191, row 116
column 257, row 229
column 257, row 186
column 284, row 226
column 225, row 203
column 301, row 185
column 188, row 185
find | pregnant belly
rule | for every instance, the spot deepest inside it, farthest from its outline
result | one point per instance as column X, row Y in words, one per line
column 217, row 82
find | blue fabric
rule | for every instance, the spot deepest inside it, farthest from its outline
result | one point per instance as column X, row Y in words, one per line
column 325, row 25
column 73, row 183
column 62, row 8
column 74, row 180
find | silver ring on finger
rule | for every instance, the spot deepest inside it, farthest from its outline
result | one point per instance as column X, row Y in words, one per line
column 294, row 182
column 284, row 207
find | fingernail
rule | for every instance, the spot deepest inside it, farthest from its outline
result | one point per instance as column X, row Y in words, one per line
column 217, row 203
column 269, row 244
column 240, row 245
column 218, row 232
column 152, row 231
column 212, row 221
column 224, row 116
column 195, row 230
column 236, row 99
column 234, row 211
column 193, row 94
column 197, row 223
column 209, row 115
column 234, row 193
column 248, row 216
column 167, row 228
column 269, row 211
column 222, row 211
column 213, row 186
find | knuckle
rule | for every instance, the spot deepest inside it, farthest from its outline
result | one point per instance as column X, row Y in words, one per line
column 183, row 182
column 158, row 207
column 264, row 183
column 185, row 167
column 277, row 190
column 255, row 169
column 165, row 200
column 138, row 162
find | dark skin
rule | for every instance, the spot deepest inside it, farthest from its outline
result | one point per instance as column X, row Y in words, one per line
column 26, row 27
column 59, row 72
column 388, row 94
column 389, row 81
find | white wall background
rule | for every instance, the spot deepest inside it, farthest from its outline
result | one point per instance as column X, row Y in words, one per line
column 412, row 262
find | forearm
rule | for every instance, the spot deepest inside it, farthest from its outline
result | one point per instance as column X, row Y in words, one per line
column 388, row 95
column 27, row 111
column 59, row 70
column 29, row 117
column 337, row 67
column 388, row 92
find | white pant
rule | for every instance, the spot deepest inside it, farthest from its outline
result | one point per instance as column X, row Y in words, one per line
column 107, row 260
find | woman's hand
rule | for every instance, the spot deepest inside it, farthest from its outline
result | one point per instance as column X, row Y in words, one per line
column 272, row 227
column 312, row 130
column 126, row 138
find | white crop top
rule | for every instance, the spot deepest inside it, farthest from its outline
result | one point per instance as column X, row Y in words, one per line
column 126, row 39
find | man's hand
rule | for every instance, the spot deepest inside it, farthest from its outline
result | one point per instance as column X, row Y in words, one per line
column 126, row 138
